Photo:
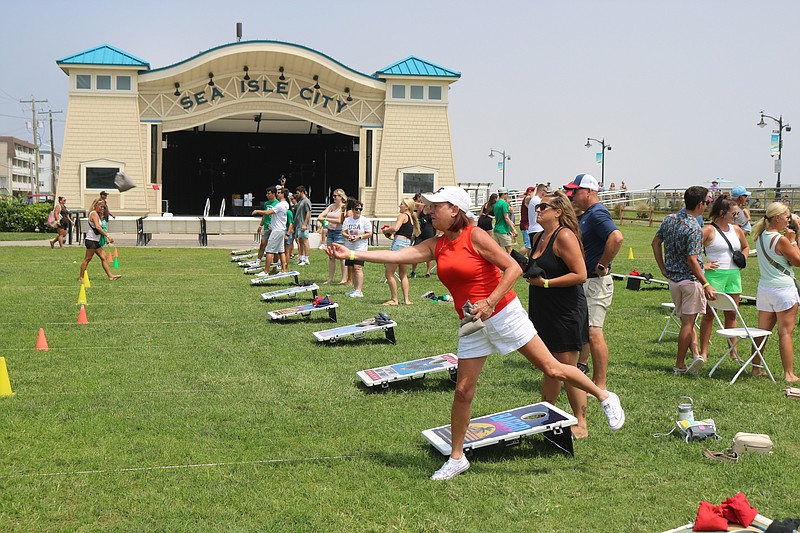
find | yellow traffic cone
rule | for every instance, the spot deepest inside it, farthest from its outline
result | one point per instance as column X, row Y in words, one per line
column 86, row 282
column 82, row 296
column 5, row 383
column 630, row 253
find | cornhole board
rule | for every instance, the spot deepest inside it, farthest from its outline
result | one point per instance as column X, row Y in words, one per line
column 263, row 280
column 635, row 282
column 383, row 375
column 252, row 264
column 244, row 251
column 356, row 331
column 244, row 257
column 291, row 292
column 747, row 300
column 304, row 310
column 508, row 428
column 258, row 266
column 760, row 523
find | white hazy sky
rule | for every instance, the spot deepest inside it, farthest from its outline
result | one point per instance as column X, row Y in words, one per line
column 674, row 87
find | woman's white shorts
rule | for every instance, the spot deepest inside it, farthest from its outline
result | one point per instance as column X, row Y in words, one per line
column 506, row 331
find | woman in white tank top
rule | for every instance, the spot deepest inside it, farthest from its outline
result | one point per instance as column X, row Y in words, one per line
column 777, row 297
column 721, row 272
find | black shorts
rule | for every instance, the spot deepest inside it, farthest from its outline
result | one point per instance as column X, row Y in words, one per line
column 92, row 245
column 348, row 262
column 64, row 224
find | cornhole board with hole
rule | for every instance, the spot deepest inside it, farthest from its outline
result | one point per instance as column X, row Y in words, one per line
column 244, row 257
column 356, row 331
column 304, row 310
column 508, row 428
column 252, row 264
column 290, row 291
column 244, row 251
column 634, row 283
column 259, row 267
column 263, row 280
column 383, row 375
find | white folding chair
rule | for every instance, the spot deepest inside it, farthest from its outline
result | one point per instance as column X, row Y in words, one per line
column 674, row 319
column 724, row 302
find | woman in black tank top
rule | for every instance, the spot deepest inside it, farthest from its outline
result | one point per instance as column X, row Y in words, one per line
column 556, row 302
column 403, row 229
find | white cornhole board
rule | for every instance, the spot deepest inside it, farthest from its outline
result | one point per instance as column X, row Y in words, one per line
column 383, row 375
column 304, row 310
column 237, row 258
column 252, row 264
column 243, row 251
column 508, row 428
column 290, row 291
column 354, row 330
column 263, row 280
column 257, row 267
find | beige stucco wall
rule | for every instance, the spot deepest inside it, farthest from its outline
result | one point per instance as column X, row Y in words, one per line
column 106, row 127
column 412, row 135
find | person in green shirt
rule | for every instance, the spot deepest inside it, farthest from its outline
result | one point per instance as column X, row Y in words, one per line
column 505, row 234
column 266, row 220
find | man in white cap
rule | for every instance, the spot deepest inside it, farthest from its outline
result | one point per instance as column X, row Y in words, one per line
column 601, row 243
column 504, row 234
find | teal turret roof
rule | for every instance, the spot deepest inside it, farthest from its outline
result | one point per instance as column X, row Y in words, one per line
column 104, row 55
column 414, row 66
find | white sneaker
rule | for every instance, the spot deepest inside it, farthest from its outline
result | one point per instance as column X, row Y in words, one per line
column 322, row 247
column 614, row 412
column 451, row 469
column 695, row 366
column 355, row 294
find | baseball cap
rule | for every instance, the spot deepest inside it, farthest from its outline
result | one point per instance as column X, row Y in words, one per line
column 530, row 190
column 103, row 193
column 449, row 193
column 583, row 181
column 738, row 191
column 502, row 190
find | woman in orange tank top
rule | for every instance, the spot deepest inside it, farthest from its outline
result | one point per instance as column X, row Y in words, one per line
column 469, row 263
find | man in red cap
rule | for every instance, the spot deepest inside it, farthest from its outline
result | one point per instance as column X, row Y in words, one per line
column 602, row 241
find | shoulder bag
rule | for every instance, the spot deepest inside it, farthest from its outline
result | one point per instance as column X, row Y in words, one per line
column 738, row 257
column 763, row 251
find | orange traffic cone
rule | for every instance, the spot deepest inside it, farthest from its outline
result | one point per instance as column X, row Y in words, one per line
column 41, row 342
column 115, row 253
column 82, row 318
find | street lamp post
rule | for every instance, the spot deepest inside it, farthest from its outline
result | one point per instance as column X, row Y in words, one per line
column 502, row 154
column 781, row 127
column 603, row 148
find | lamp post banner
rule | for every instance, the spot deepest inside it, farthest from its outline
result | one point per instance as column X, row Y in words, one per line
column 773, row 146
column 500, row 166
column 598, row 158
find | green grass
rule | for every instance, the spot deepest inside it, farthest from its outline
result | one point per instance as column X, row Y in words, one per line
column 180, row 365
column 25, row 236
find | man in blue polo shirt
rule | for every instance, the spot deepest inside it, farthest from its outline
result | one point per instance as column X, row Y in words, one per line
column 601, row 243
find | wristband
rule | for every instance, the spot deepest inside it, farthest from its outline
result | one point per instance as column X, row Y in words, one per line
column 706, row 284
column 352, row 255
column 546, row 284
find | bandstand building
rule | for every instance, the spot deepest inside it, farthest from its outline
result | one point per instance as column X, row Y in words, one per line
column 236, row 118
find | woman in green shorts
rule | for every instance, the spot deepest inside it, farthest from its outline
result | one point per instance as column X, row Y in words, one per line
column 720, row 270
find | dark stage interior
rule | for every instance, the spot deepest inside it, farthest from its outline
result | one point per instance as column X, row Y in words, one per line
column 198, row 165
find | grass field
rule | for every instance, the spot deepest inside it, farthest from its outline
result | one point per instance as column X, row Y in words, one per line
column 181, row 407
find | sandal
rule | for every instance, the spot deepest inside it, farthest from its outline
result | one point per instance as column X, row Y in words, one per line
column 728, row 456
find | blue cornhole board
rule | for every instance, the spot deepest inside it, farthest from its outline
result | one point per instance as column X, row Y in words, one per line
column 508, row 428
column 354, row 330
column 304, row 310
column 290, row 291
column 263, row 280
column 244, row 251
column 383, row 375
column 245, row 257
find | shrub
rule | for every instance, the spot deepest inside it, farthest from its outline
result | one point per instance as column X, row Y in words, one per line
column 15, row 215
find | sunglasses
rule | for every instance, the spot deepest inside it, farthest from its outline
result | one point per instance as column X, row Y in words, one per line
column 358, row 209
column 544, row 205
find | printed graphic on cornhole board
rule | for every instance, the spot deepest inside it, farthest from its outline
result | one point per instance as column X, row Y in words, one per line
column 508, row 427
column 262, row 280
column 244, row 251
column 251, row 264
column 304, row 310
column 356, row 331
column 383, row 375
column 290, row 291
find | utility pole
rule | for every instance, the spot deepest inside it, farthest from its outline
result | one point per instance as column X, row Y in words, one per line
column 34, row 125
column 52, row 152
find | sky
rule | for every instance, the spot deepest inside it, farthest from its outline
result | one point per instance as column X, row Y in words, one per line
column 676, row 88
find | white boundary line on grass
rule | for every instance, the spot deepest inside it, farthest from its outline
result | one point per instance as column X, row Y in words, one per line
column 179, row 467
column 136, row 323
column 139, row 347
column 101, row 391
